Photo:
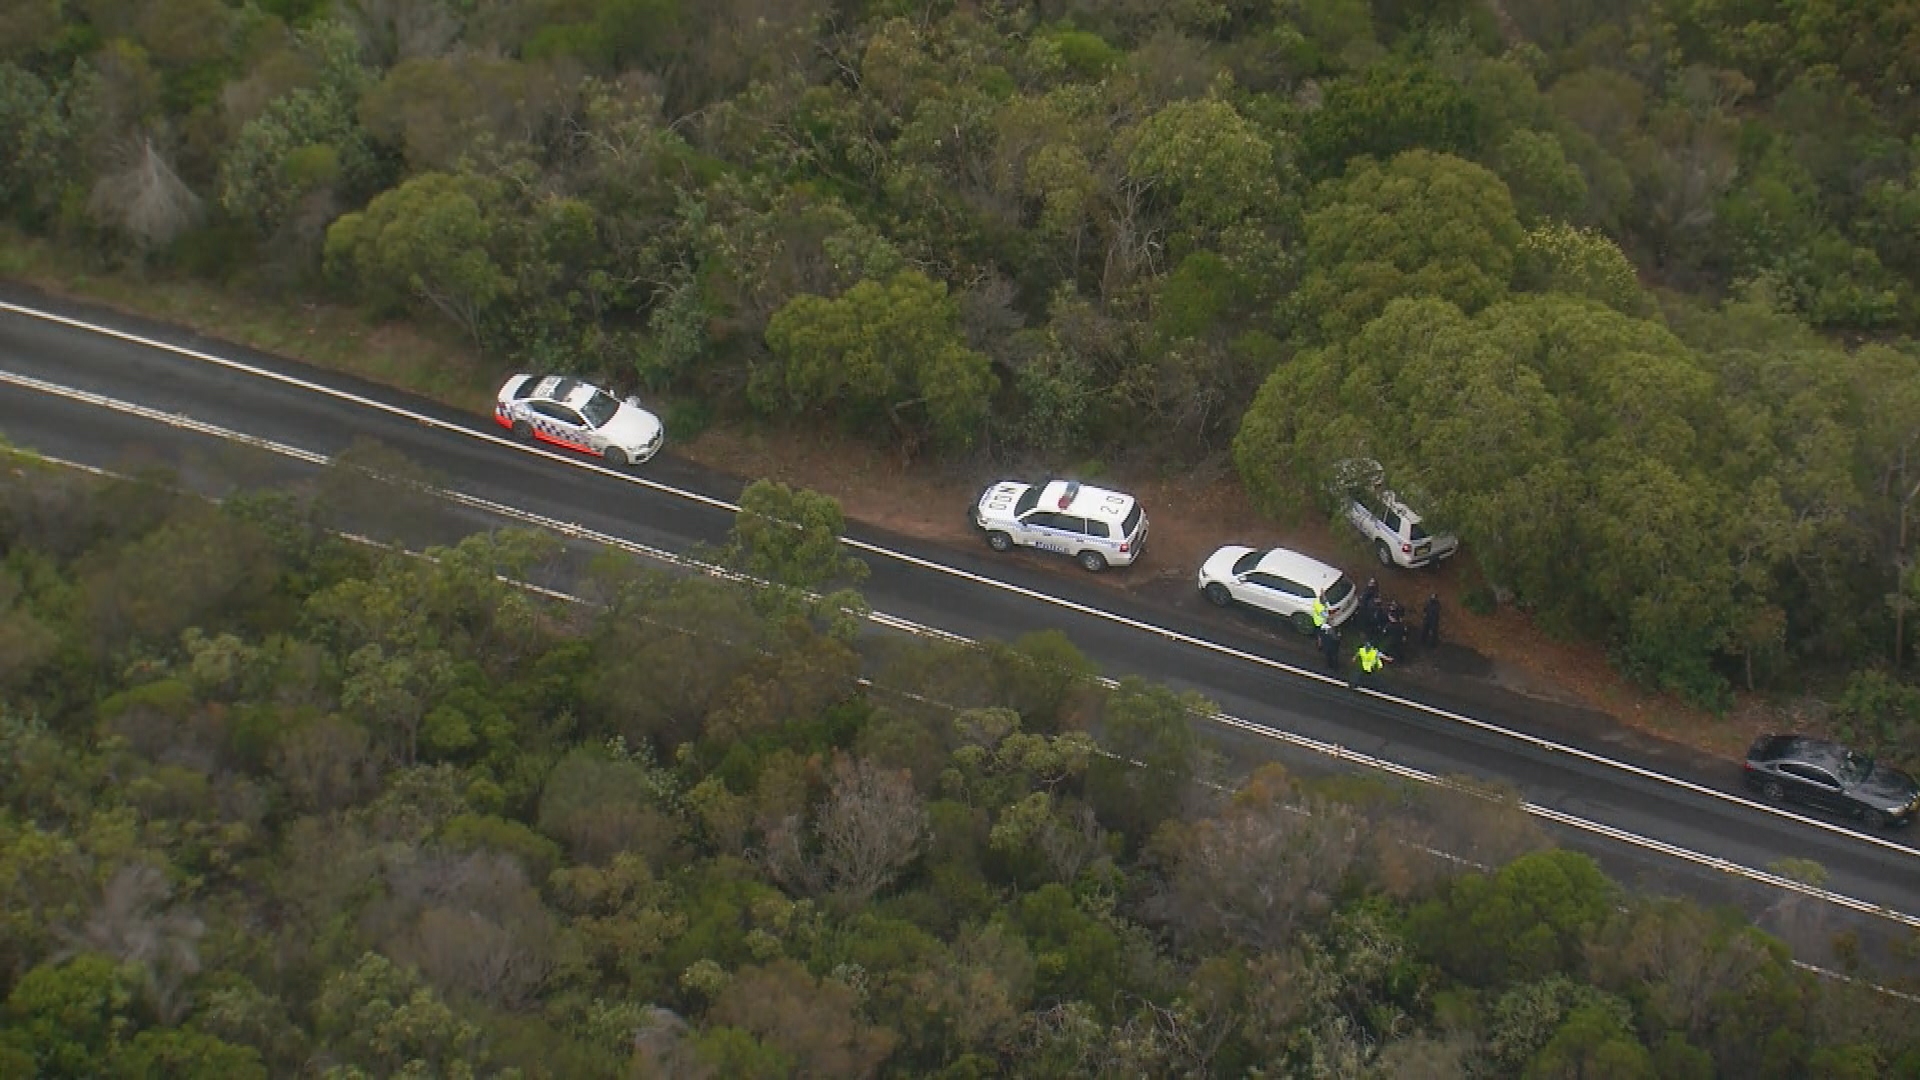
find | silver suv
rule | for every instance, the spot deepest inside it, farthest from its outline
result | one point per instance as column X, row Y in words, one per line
column 1392, row 529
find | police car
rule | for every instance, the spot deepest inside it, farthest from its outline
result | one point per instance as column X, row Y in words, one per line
column 578, row 415
column 1097, row 527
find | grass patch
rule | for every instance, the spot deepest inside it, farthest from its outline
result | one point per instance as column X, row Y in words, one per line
column 401, row 355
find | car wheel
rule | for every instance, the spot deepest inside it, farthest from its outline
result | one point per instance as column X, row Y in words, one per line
column 523, row 431
column 615, row 456
column 1218, row 594
column 1382, row 552
column 1000, row 542
column 1772, row 790
column 1874, row 819
column 1302, row 622
column 1093, row 562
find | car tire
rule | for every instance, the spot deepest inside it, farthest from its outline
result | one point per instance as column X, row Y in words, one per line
column 1302, row 622
column 615, row 457
column 1773, row 790
column 1873, row 819
column 1000, row 542
column 1092, row 561
column 1218, row 595
column 1382, row 552
column 523, row 431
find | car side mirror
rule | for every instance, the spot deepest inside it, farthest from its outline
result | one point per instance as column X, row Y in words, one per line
column 634, row 400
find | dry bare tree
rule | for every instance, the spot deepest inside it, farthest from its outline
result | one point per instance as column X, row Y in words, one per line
column 142, row 197
column 814, row 1021
column 133, row 922
column 1252, row 873
column 870, row 826
column 471, row 923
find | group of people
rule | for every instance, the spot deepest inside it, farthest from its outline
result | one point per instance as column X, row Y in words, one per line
column 1383, row 627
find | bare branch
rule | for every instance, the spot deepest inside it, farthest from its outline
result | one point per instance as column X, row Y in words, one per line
column 145, row 198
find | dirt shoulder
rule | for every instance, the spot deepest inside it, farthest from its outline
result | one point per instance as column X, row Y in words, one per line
column 1504, row 650
column 1192, row 515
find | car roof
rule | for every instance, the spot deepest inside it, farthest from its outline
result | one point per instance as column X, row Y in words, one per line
column 1294, row 566
column 1411, row 517
column 1809, row 750
column 1086, row 501
column 559, row 388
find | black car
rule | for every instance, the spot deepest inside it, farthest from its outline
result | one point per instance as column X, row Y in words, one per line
column 1830, row 776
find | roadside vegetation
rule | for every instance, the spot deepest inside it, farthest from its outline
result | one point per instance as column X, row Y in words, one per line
column 276, row 804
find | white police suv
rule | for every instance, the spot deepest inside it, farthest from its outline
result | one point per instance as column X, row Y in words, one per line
column 578, row 415
column 1097, row 527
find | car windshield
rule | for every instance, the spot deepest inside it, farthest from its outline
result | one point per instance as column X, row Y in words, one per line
column 1856, row 768
column 599, row 409
column 1029, row 499
column 1418, row 533
column 1247, row 562
column 1337, row 592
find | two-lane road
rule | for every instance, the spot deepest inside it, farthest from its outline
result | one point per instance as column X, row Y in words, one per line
column 968, row 592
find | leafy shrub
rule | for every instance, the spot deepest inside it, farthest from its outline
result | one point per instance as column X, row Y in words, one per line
column 1880, row 715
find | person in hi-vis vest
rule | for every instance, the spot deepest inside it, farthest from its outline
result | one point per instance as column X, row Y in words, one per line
column 1368, row 660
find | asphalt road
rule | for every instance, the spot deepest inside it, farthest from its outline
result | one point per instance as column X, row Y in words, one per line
column 1742, row 835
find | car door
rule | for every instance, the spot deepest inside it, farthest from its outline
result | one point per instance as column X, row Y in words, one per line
column 1098, row 534
column 560, row 424
column 1067, row 535
column 1045, row 530
column 1390, row 528
column 1815, row 786
column 1271, row 593
column 1363, row 517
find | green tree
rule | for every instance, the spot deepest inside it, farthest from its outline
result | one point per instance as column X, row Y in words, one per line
column 1545, row 184
column 1424, row 223
column 442, row 109
column 1391, row 108
column 71, row 1018
column 381, row 1017
column 1530, row 919
column 1581, row 262
column 1152, row 756
column 426, row 239
column 791, row 537
column 40, row 124
column 187, row 1055
column 1592, row 1042
column 881, row 352
column 305, row 142
column 1213, row 167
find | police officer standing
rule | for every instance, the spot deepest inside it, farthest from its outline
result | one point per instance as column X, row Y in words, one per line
column 1430, row 624
column 1395, row 630
column 1330, row 648
column 1369, row 661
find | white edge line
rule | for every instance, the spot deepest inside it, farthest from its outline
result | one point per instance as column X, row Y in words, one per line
column 926, row 564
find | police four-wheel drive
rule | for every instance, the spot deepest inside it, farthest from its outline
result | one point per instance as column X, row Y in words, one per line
column 1096, row 527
